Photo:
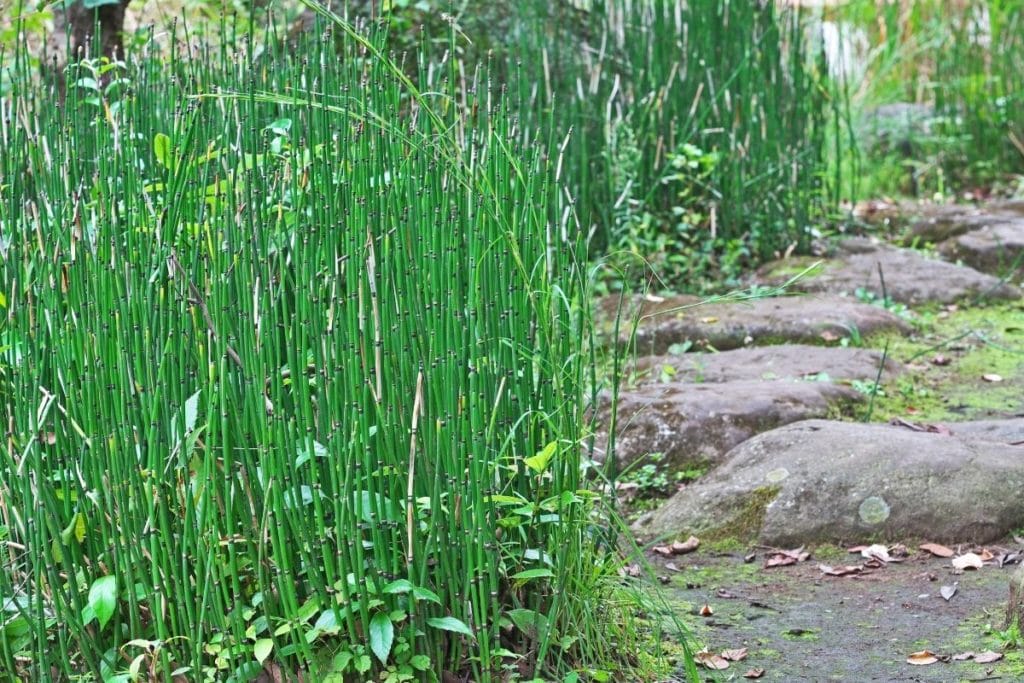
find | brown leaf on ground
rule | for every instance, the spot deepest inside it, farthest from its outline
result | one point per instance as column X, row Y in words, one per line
column 706, row 610
column 735, row 655
column 922, row 658
column 672, row 567
column 754, row 673
column 967, row 561
column 947, row 592
column 687, row 546
column 632, row 570
column 663, row 550
column 936, row 549
column 844, row 570
column 710, row 660
column 988, row 657
column 963, row 657
column 784, row 558
column 876, row 552
column 856, row 549
column 986, row 555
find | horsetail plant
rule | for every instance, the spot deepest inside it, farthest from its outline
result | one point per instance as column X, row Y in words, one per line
column 297, row 371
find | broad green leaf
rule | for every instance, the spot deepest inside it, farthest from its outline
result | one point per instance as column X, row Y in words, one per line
column 420, row 662
column 539, row 463
column 192, row 411
column 262, row 649
column 382, row 636
column 103, row 599
column 450, row 624
column 3, row 300
column 533, row 574
column 425, row 594
column 363, row 663
column 398, row 586
column 162, row 151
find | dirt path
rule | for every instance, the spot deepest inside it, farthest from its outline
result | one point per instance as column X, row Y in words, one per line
column 752, row 418
column 800, row 625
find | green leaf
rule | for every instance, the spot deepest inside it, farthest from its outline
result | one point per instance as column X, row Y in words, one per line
column 192, row 411
column 91, row 4
column 162, row 151
column 262, row 649
column 382, row 636
column 533, row 574
column 398, row 586
column 102, row 600
column 425, row 594
column 363, row 663
column 450, row 624
column 539, row 463
column 420, row 662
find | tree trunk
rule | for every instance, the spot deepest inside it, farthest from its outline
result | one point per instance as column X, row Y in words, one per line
column 1015, row 605
column 76, row 27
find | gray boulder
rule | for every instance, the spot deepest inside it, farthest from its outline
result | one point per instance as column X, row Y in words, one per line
column 909, row 276
column 697, row 424
column 665, row 322
column 996, row 248
column 824, row 481
column 785, row 361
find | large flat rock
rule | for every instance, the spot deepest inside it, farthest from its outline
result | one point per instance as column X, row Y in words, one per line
column 783, row 362
column 825, row 481
column 696, row 424
column 909, row 276
column 996, row 248
column 939, row 223
column 805, row 319
column 1009, row 431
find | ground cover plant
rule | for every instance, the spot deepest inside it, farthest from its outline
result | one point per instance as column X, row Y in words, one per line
column 297, row 364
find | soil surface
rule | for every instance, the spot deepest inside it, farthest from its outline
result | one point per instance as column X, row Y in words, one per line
column 798, row 624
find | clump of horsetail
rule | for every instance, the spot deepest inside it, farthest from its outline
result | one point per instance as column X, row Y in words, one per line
column 296, row 365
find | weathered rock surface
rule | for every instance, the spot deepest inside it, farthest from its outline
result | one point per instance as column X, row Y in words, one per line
column 996, row 248
column 910, row 277
column 724, row 326
column 1009, row 431
column 786, row 361
column 824, row 481
column 939, row 223
column 697, row 424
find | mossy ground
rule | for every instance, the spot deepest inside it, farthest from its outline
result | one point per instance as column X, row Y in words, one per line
column 951, row 361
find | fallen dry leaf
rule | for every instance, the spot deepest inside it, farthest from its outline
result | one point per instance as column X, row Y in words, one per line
column 706, row 610
column 829, row 336
column 724, row 594
column 963, row 657
column 992, row 377
column 857, row 549
column 922, row 658
column 710, row 660
column 663, row 550
column 941, row 360
column 844, row 570
column 672, row 567
column 876, row 552
column 687, row 546
column 754, row 673
column 967, row 561
column 987, row 657
column 632, row 570
column 947, row 592
column 784, row 558
column 936, row 549
column 986, row 555
column 735, row 655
